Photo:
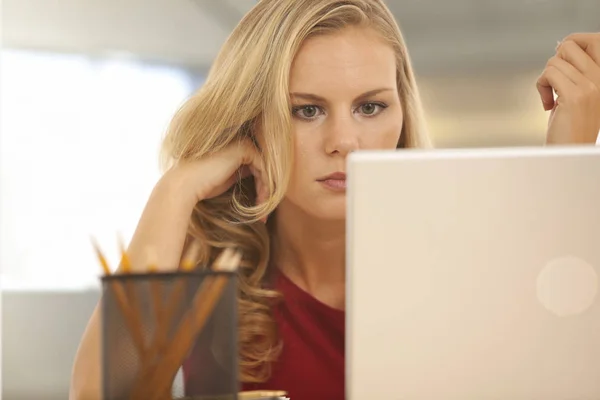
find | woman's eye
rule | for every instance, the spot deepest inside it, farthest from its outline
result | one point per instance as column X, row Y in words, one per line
column 307, row 112
column 310, row 111
column 371, row 108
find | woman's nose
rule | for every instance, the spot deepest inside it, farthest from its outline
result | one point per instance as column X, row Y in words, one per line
column 342, row 136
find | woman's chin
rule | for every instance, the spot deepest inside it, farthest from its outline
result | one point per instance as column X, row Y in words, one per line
column 332, row 211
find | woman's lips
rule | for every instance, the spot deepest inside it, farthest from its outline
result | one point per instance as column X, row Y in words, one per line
column 334, row 184
column 335, row 181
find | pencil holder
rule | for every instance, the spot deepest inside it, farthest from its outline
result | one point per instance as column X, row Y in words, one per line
column 153, row 324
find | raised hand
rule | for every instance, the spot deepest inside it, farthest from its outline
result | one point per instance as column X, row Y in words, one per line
column 574, row 75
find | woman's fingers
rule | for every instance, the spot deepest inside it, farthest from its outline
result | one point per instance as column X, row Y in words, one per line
column 553, row 79
column 574, row 74
column 576, row 56
column 568, row 70
column 578, row 60
column 589, row 43
column 545, row 90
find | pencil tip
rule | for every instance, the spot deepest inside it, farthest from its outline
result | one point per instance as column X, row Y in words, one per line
column 190, row 256
column 228, row 260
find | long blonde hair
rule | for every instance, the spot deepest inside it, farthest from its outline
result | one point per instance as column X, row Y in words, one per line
column 247, row 87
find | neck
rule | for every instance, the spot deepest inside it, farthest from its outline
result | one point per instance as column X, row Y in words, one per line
column 311, row 252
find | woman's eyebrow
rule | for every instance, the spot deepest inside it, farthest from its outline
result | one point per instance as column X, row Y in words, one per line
column 314, row 97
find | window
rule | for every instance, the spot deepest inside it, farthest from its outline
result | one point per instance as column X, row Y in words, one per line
column 78, row 157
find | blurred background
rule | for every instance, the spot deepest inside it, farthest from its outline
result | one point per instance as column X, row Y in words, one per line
column 87, row 88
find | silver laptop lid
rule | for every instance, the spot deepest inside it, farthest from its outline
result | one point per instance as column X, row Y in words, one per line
column 473, row 274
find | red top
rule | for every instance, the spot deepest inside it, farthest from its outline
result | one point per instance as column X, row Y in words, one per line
column 311, row 364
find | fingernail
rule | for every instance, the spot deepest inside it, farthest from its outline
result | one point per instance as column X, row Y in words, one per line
column 558, row 43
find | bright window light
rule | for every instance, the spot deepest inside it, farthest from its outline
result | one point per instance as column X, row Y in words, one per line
column 79, row 141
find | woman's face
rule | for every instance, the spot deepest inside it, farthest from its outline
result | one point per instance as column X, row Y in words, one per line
column 344, row 98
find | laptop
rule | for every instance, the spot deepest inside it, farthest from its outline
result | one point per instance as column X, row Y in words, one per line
column 473, row 274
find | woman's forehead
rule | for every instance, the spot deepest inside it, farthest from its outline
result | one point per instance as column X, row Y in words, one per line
column 354, row 57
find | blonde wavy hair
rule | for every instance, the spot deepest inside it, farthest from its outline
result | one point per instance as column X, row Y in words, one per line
column 246, row 92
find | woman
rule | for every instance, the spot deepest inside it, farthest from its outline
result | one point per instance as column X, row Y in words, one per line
column 298, row 86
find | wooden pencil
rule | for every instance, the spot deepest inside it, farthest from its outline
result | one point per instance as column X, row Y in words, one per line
column 157, row 348
column 191, row 325
column 125, row 261
column 169, row 311
column 130, row 287
column 156, row 293
column 178, row 291
column 121, row 297
column 190, row 256
column 174, row 355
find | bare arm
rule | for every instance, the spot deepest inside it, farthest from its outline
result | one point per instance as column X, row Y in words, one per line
column 162, row 227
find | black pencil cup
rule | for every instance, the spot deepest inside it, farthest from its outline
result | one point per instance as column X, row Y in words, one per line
column 170, row 336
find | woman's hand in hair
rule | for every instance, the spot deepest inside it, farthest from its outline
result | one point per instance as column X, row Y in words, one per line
column 574, row 74
column 215, row 174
